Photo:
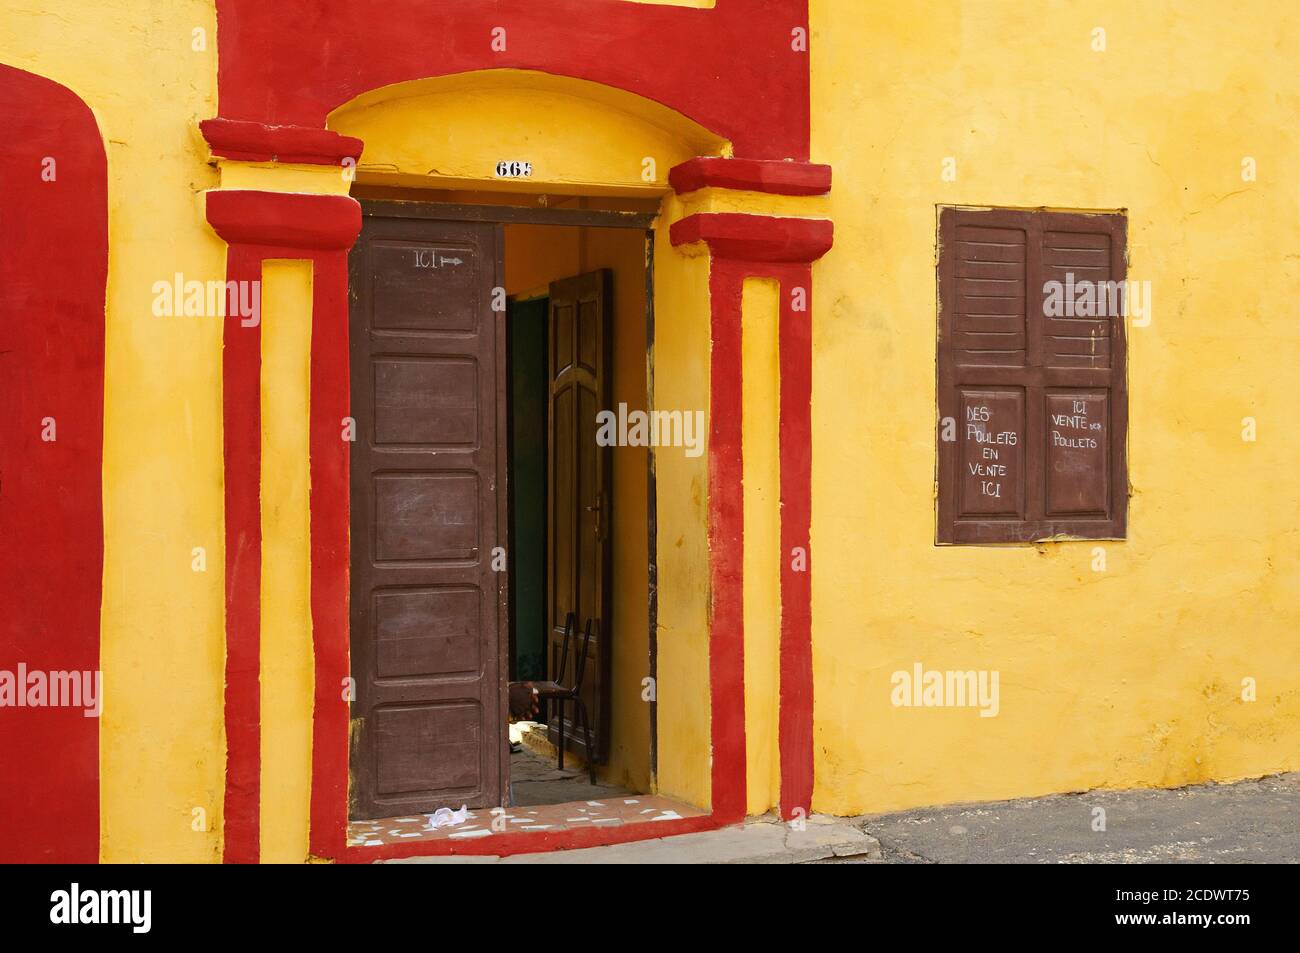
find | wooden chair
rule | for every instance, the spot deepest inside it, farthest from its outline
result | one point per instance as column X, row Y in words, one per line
column 557, row 692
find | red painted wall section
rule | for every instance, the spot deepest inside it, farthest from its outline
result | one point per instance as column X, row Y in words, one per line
column 53, row 267
column 330, row 527
column 796, row 710
column 732, row 69
column 727, row 545
column 242, row 446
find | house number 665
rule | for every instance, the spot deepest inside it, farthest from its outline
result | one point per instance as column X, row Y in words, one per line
column 514, row 170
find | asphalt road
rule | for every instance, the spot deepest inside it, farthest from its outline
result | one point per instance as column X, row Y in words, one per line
column 1246, row 822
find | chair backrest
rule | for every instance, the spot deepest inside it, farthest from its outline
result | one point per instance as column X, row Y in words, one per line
column 570, row 623
column 582, row 658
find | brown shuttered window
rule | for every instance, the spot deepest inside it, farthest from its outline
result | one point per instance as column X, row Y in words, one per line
column 1033, row 408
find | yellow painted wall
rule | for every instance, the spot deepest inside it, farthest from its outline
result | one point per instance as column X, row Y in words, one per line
column 162, row 749
column 287, row 661
column 536, row 255
column 580, row 137
column 760, row 305
column 1131, row 676
column 681, row 382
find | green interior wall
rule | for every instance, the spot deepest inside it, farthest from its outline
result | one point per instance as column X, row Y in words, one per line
column 528, row 487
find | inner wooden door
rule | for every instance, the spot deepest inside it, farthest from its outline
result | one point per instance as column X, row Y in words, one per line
column 581, row 339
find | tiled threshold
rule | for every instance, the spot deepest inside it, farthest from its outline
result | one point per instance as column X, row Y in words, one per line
column 542, row 819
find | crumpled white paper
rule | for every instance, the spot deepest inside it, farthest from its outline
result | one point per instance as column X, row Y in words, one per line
column 446, row 817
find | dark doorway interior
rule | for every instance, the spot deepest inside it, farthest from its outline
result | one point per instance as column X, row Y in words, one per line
column 527, row 322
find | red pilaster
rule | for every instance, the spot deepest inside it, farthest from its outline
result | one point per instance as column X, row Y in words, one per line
column 316, row 228
column 727, row 546
column 330, row 394
column 241, row 370
column 744, row 246
column 795, row 429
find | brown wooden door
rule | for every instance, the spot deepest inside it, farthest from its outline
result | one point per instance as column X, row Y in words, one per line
column 428, row 496
column 579, row 492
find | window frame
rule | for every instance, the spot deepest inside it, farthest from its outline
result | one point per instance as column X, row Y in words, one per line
column 1035, row 381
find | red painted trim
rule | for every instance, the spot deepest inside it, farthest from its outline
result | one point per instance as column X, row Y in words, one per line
column 242, row 435
column 753, row 175
column 796, row 711
column 53, row 269
column 506, row 845
column 330, row 398
column 756, row 238
column 733, row 68
column 259, row 142
column 288, row 219
column 726, row 546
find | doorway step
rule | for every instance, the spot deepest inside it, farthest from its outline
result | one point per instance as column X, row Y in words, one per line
column 541, row 820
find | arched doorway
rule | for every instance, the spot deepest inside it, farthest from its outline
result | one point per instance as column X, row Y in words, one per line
column 576, row 209
column 718, row 226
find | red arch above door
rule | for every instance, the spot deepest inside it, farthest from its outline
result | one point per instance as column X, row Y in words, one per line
column 740, row 68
